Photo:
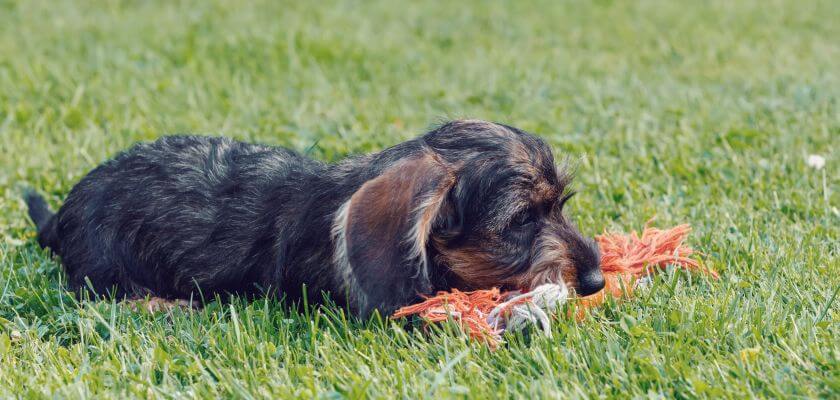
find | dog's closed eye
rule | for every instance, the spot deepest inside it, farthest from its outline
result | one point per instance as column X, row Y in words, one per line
column 523, row 219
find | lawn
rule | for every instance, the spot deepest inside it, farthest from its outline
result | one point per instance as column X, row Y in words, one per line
column 700, row 112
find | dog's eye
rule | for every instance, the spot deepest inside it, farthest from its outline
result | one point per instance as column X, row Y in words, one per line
column 524, row 218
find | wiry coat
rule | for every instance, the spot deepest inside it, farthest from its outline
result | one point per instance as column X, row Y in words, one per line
column 190, row 216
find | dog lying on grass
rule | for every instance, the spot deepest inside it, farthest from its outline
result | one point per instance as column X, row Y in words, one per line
column 469, row 205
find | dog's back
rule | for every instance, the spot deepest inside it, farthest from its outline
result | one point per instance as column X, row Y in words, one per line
column 181, row 215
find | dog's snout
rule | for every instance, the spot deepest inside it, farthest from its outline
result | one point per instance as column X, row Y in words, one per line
column 590, row 283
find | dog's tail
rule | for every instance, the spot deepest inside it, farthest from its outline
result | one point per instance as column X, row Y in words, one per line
column 42, row 216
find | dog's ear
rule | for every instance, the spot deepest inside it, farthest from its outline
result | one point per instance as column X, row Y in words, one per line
column 381, row 233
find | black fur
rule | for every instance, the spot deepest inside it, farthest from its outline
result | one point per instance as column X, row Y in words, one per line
column 42, row 216
column 39, row 211
column 186, row 215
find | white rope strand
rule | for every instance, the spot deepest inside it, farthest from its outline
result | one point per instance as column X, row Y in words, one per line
column 516, row 314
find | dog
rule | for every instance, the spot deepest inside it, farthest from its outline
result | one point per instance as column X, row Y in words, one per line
column 469, row 205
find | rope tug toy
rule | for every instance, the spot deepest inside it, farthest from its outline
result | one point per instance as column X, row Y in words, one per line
column 626, row 261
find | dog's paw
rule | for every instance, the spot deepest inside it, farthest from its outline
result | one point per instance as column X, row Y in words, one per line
column 159, row 304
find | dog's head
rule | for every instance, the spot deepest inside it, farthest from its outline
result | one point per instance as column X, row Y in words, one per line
column 476, row 203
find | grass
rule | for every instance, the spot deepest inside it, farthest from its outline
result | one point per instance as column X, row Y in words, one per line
column 699, row 112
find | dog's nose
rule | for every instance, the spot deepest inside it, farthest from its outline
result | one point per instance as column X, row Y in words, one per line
column 590, row 283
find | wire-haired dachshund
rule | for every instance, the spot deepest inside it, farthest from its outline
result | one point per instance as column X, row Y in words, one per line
column 471, row 204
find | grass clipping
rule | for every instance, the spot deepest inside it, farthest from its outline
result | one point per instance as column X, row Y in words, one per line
column 486, row 314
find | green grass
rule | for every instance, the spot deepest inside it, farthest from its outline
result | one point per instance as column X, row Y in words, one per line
column 691, row 111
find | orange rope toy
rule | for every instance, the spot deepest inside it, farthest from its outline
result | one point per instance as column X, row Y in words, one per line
column 624, row 259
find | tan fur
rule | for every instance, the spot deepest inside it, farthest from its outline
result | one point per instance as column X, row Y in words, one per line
column 383, row 206
column 427, row 211
column 552, row 266
column 474, row 268
column 343, row 269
